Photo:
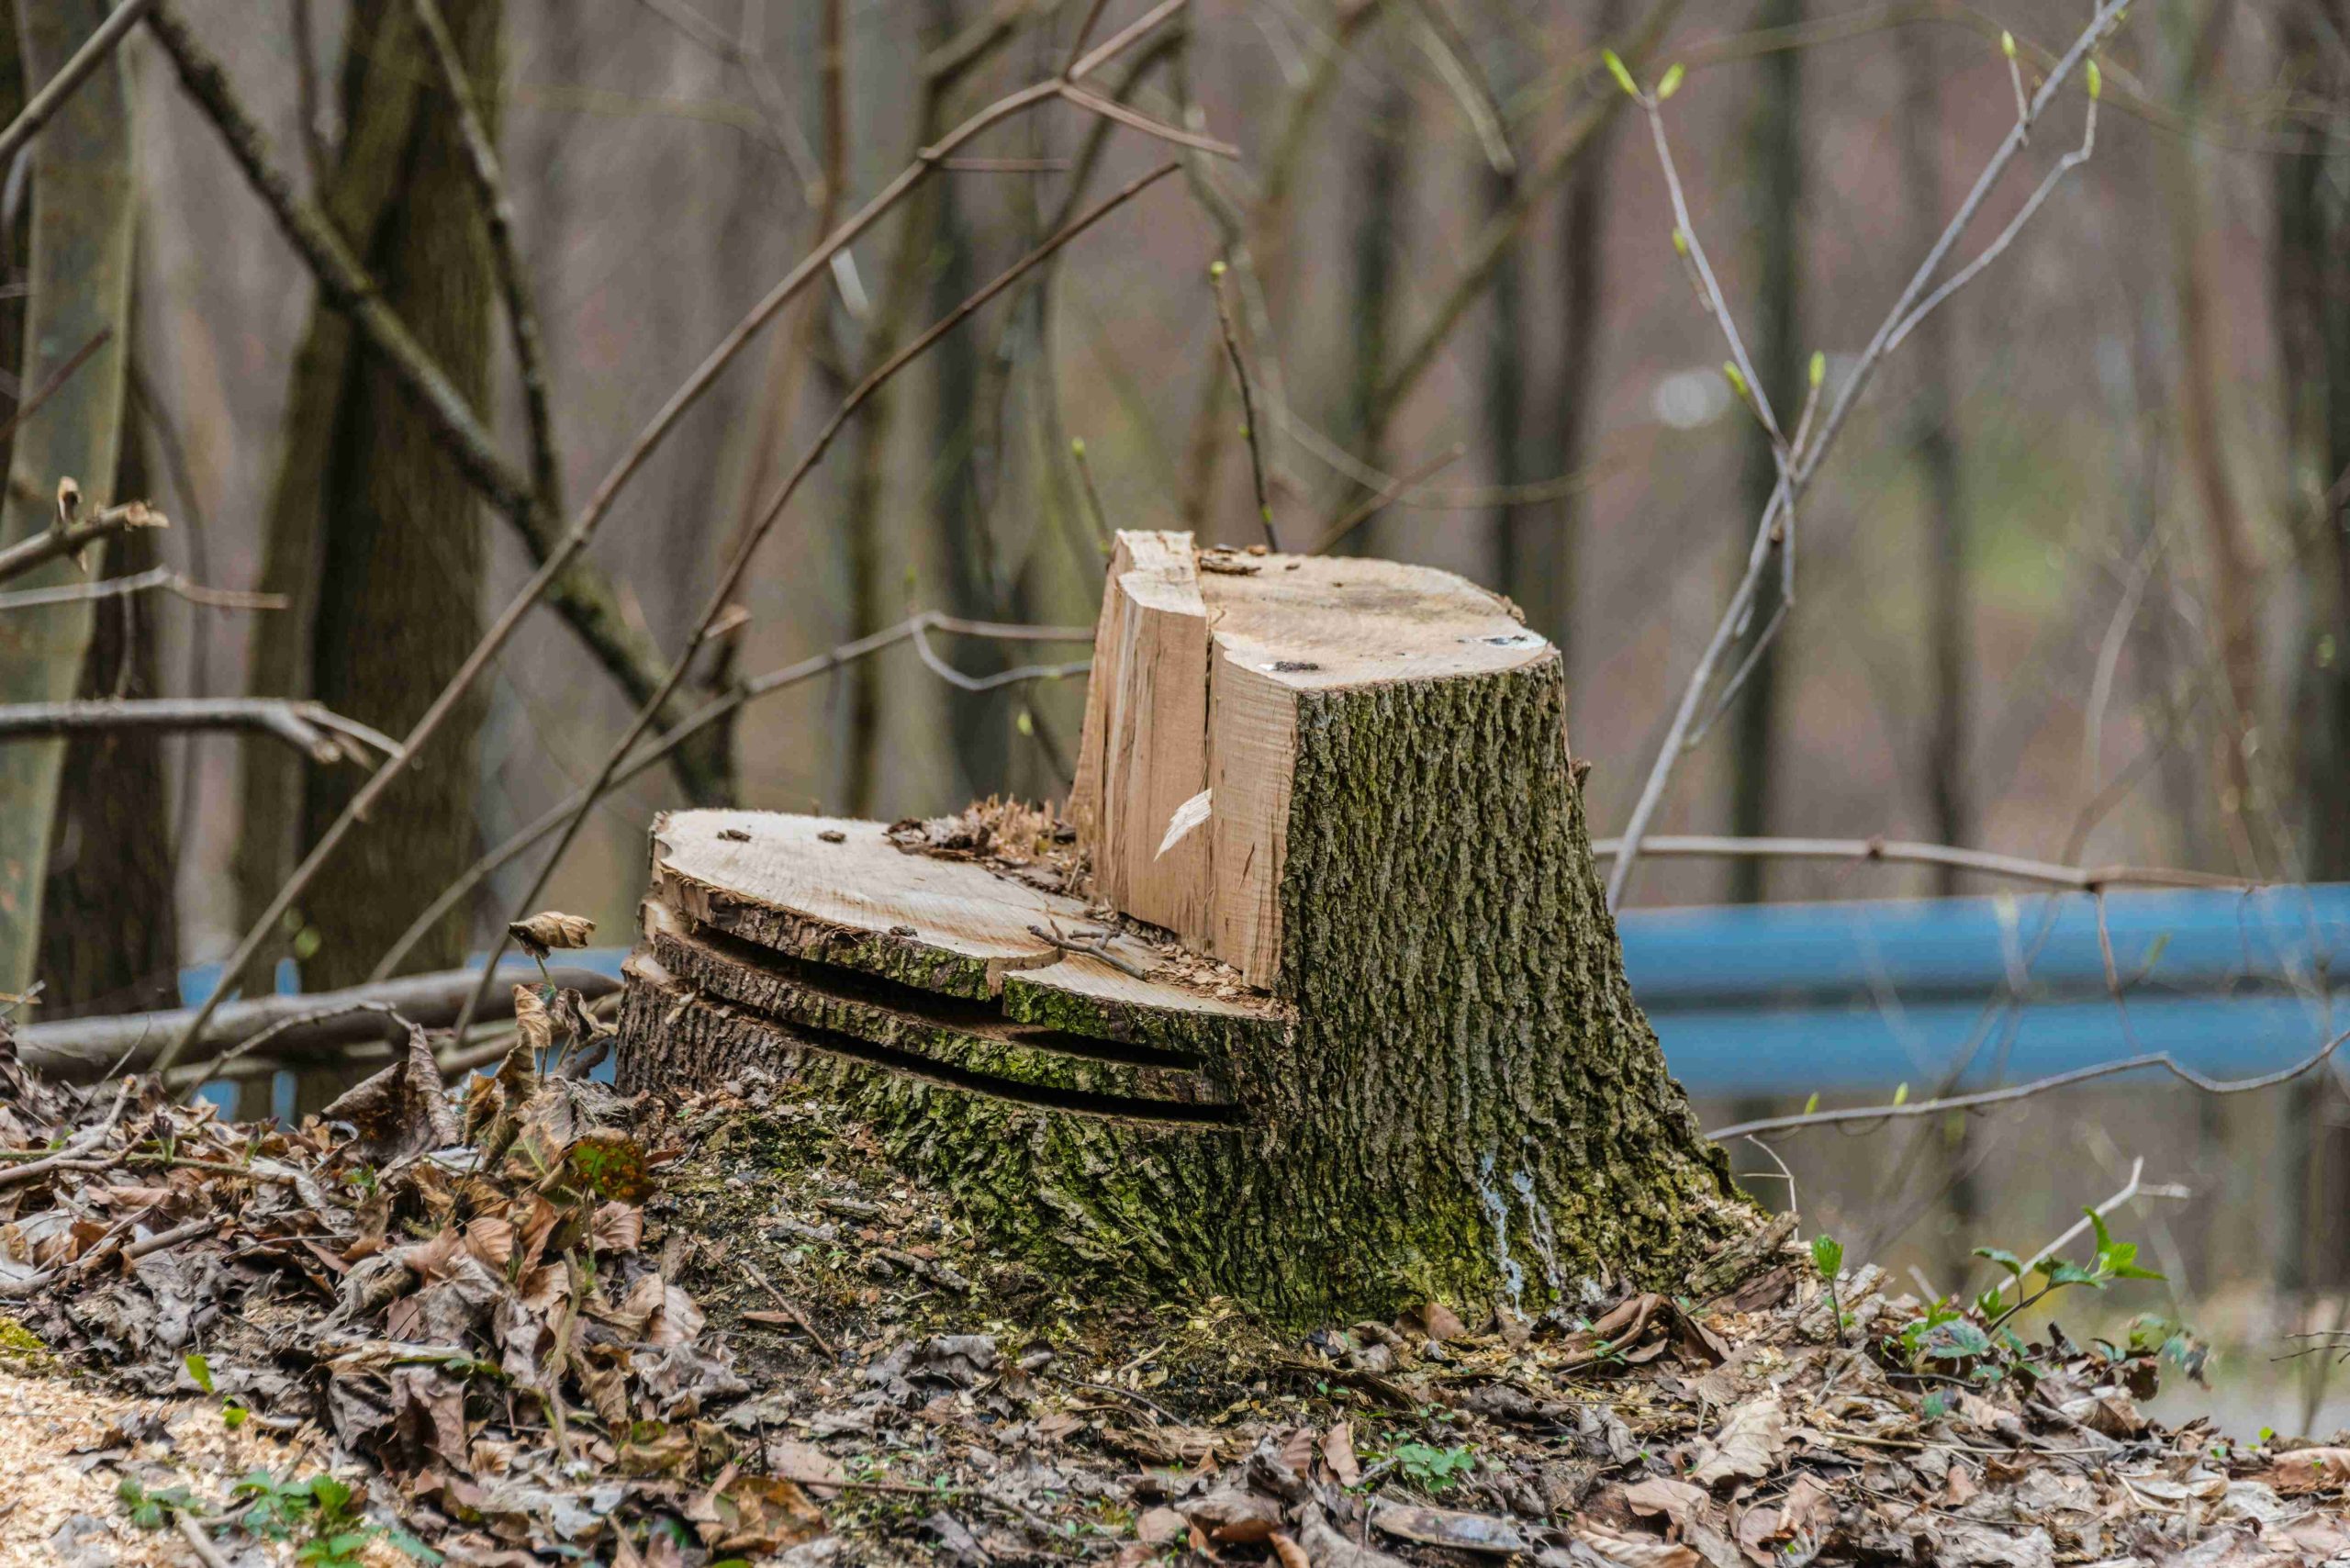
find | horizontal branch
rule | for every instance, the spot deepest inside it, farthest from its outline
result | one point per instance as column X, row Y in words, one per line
column 309, row 726
column 2082, row 878
column 68, row 538
column 82, row 1049
column 1908, row 1110
column 162, row 577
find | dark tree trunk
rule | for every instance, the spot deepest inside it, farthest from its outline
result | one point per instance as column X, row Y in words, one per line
column 1773, row 199
column 373, row 530
column 109, row 929
column 1381, row 208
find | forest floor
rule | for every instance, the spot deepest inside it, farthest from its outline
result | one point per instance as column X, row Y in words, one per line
column 543, row 1323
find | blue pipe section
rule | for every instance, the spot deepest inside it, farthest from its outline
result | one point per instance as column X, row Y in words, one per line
column 1858, row 997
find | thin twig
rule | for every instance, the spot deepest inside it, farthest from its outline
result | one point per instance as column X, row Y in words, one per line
column 1797, row 469
column 17, row 1175
column 1102, row 532
column 199, row 1075
column 1911, row 1109
column 748, row 546
column 92, row 53
column 69, row 538
column 1373, row 505
column 199, row 1541
column 640, row 451
column 175, row 583
column 307, row 726
column 2082, row 878
column 1248, row 431
column 1098, row 948
column 56, row 378
column 498, row 215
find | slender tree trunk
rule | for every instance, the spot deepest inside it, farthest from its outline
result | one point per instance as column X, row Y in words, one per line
column 109, row 931
column 402, row 554
column 1934, row 443
column 2312, row 305
column 1774, row 197
column 1547, row 559
column 1381, row 208
column 78, row 282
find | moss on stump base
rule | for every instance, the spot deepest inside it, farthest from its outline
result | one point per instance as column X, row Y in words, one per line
column 1394, row 1056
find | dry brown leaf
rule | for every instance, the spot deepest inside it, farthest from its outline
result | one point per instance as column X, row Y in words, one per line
column 1291, row 1555
column 1630, row 1551
column 807, row 1464
column 1338, row 1453
column 550, row 929
column 2310, row 1470
column 1157, row 1527
column 533, row 1025
column 616, row 1228
column 1749, row 1446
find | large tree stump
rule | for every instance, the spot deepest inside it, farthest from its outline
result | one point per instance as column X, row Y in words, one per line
column 1383, row 1049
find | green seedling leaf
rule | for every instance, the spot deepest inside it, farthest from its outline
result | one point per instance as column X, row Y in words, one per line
column 1616, row 68
column 1827, row 1256
column 199, row 1370
column 1671, row 81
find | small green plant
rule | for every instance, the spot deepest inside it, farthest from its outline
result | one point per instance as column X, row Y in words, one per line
column 325, row 1512
column 153, row 1510
column 1828, row 1256
column 1433, row 1470
column 2112, row 1261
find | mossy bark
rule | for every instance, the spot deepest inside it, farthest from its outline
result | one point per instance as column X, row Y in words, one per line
column 1465, row 1105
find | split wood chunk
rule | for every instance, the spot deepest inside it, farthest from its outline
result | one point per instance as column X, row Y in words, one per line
column 1346, row 781
column 1203, row 664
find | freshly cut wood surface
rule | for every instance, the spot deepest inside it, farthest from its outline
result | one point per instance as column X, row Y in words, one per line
column 837, row 890
column 1201, row 661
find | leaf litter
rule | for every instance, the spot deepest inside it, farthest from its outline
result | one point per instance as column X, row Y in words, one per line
column 525, row 1320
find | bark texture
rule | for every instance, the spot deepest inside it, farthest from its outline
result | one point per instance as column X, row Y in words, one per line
column 78, row 283
column 1457, row 1098
column 374, row 528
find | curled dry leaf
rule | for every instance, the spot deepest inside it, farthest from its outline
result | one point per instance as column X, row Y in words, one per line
column 2310, row 1470
column 1749, row 1446
column 533, row 1025
column 1630, row 1551
column 550, row 929
column 1338, row 1453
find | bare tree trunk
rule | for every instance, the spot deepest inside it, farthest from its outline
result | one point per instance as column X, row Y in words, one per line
column 1773, row 196
column 109, row 928
column 1381, row 211
column 2311, row 307
column 1948, row 593
column 401, row 557
column 2192, row 33
column 78, row 279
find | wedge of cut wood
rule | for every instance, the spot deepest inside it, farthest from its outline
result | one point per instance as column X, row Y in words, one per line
column 1201, row 661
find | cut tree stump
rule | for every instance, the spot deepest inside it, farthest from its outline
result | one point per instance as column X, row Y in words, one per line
column 1362, row 1037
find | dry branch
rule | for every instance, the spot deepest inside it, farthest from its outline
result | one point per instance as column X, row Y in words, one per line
column 2082, row 878
column 1796, row 469
column 161, row 577
column 309, row 726
column 640, row 451
column 69, row 538
column 723, row 593
column 81, row 1049
column 1911, row 1109
column 88, row 58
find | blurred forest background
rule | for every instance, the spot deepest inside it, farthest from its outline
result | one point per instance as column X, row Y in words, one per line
column 2073, row 586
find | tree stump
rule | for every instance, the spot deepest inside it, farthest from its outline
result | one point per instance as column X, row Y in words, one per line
column 1362, row 1038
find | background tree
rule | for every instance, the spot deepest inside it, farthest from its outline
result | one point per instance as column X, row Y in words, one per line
column 77, row 285
column 375, row 534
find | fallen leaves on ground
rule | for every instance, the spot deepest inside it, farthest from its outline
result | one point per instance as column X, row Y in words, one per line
column 537, row 1322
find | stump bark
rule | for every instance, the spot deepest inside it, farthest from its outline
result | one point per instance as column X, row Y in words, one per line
column 1363, row 1037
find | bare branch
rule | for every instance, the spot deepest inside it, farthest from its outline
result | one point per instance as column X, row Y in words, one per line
column 497, row 213
column 44, row 104
column 1248, row 429
column 640, row 451
column 1796, row 469
column 305, row 725
column 162, row 577
column 1384, row 496
column 67, row 537
column 2079, row 879
column 1911, row 1109
column 30, row 406
column 749, row 543
column 316, row 1024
